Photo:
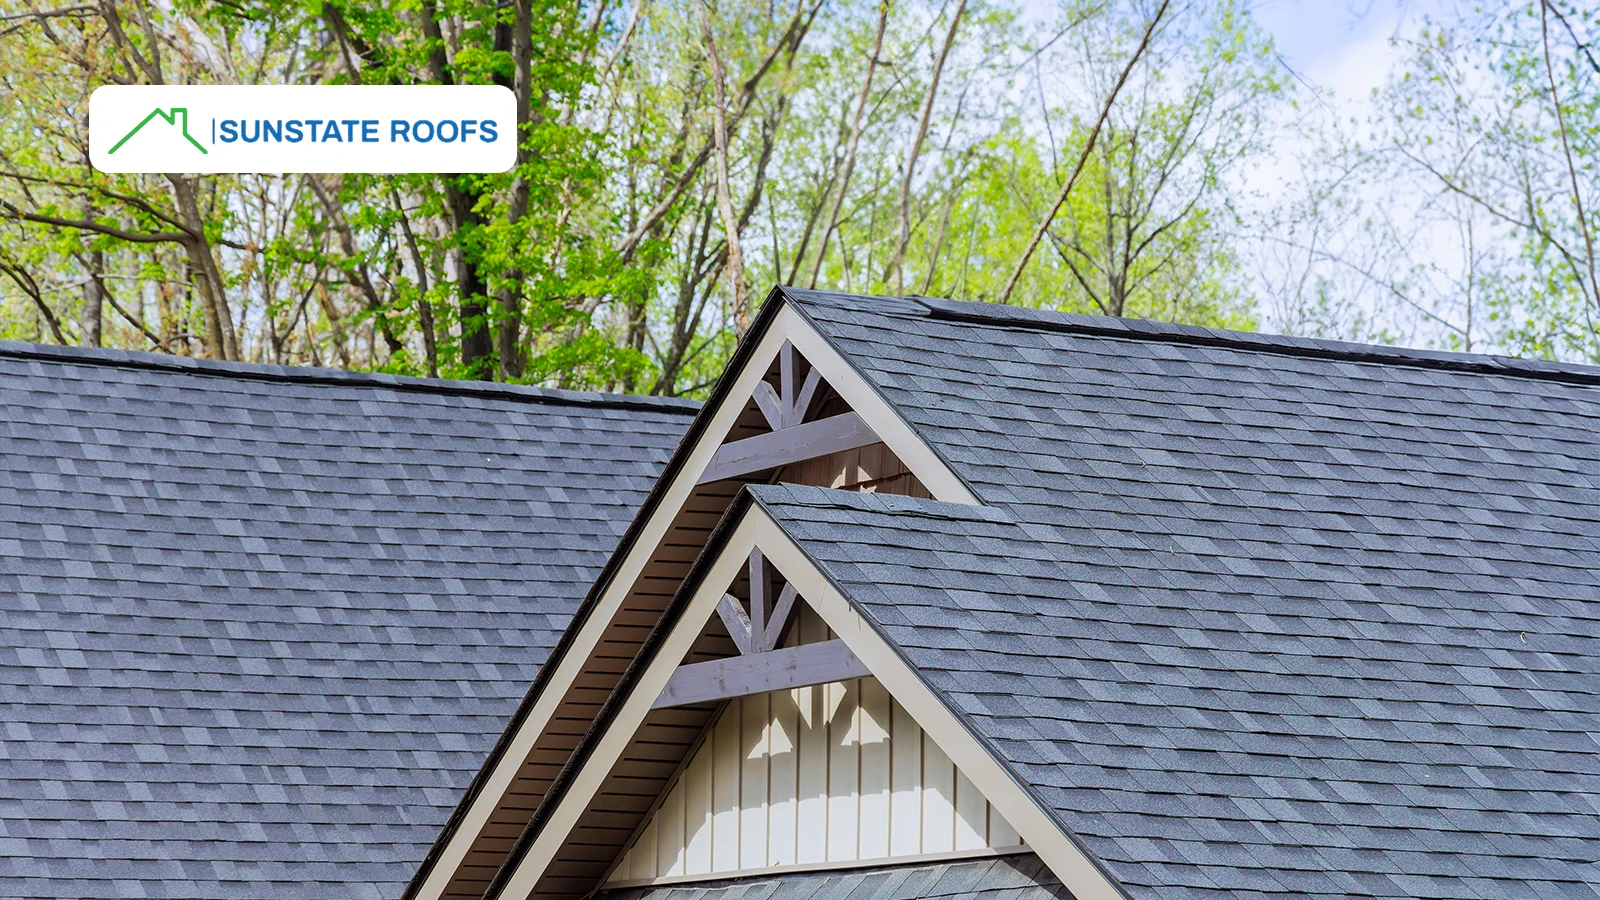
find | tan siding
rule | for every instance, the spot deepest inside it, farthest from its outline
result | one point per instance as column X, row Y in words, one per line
column 756, row 720
column 938, row 799
column 872, row 786
column 905, row 781
column 876, row 722
column 812, row 828
column 726, row 774
column 783, row 772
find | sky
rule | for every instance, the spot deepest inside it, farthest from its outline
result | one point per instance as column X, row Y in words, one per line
column 1344, row 50
column 1343, row 45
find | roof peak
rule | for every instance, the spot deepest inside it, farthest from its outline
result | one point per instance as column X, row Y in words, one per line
column 1002, row 316
column 185, row 365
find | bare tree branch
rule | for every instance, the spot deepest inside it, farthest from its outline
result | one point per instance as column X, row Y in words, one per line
column 1083, row 158
column 31, row 288
column 159, row 237
column 792, row 36
column 23, row 20
column 719, row 130
column 855, row 142
column 1586, row 48
column 1566, row 147
column 903, row 236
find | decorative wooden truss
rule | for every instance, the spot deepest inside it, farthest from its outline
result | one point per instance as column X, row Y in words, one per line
column 792, row 438
column 761, row 665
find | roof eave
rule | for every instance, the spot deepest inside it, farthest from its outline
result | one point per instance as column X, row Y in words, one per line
column 630, row 677
column 719, row 393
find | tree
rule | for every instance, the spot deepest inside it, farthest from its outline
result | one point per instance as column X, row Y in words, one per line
column 1150, row 222
column 673, row 159
column 1467, row 209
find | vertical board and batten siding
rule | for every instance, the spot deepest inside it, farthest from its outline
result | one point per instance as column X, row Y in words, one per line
column 838, row 773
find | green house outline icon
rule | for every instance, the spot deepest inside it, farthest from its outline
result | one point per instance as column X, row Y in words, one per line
column 171, row 117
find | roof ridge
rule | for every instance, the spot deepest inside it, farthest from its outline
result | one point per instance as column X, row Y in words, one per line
column 999, row 315
column 186, row 365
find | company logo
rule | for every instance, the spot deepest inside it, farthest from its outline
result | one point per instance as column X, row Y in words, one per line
column 276, row 129
column 177, row 116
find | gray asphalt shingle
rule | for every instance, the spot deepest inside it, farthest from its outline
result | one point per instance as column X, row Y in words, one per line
column 259, row 627
column 1020, row 877
column 1255, row 617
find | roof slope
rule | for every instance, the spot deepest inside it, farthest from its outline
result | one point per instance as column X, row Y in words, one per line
column 1020, row 877
column 258, row 627
column 1256, row 616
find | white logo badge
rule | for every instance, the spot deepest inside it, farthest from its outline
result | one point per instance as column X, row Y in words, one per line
column 323, row 128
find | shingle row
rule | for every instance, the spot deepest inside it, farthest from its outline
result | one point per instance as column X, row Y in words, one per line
column 1022, row 877
column 259, row 627
column 1255, row 617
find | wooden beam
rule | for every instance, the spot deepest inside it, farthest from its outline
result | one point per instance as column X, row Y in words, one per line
column 788, row 386
column 775, row 670
column 760, row 600
column 801, row 404
column 772, row 407
column 738, row 623
column 768, row 636
column 789, row 445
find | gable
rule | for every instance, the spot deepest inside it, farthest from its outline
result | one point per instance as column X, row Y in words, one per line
column 263, row 624
column 845, row 436
column 580, row 832
column 829, row 775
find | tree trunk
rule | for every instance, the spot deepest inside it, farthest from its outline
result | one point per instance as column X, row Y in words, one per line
column 512, row 363
column 730, row 224
column 477, row 343
column 219, row 341
column 897, row 257
column 347, row 243
column 93, row 300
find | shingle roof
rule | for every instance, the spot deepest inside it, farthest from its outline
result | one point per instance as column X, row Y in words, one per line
column 1254, row 616
column 1021, row 877
column 259, row 626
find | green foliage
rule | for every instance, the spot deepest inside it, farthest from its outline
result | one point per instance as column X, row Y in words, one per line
column 599, row 261
column 1470, row 236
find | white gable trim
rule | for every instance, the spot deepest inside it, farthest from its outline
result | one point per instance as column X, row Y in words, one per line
column 923, row 462
column 787, row 325
column 1032, row 822
column 1036, row 826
